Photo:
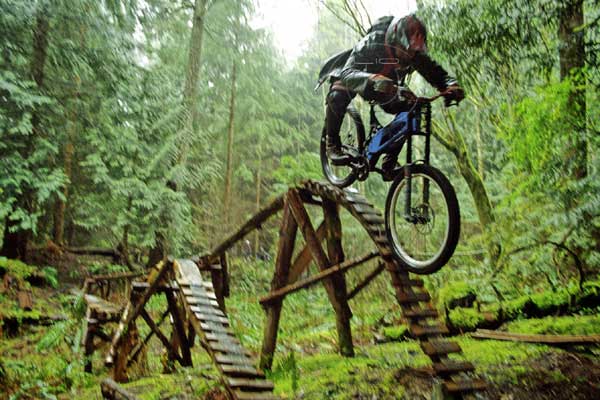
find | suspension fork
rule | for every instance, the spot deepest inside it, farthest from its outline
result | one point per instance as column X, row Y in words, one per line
column 408, row 177
column 427, row 149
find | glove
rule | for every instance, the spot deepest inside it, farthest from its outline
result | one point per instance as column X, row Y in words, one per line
column 453, row 93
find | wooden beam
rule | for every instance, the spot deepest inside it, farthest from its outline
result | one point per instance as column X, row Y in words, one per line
column 132, row 312
column 336, row 255
column 179, row 324
column 366, row 281
column 304, row 258
column 294, row 287
column 545, row 339
column 285, row 249
column 308, row 232
column 253, row 223
column 144, row 342
column 166, row 342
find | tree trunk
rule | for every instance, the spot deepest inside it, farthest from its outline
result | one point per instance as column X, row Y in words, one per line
column 258, row 199
column 190, row 102
column 16, row 240
column 69, row 151
column 572, row 61
column 455, row 142
column 229, row 167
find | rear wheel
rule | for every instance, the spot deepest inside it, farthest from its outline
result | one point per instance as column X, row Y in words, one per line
column 425, row 233
column 352, row 135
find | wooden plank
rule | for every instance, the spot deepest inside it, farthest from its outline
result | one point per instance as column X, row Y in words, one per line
column 212, row 318
column 461, row 386
column 197, row 301
column 238, row 371
column 545, row 339
column 407, row 297
column 200, row 293
column 229, row 348
column 317, row 277
column 428, row 330
column 212, row 327
column 233, row 360
column 437, row 348
column 207, row 310
column 165, row 341
column 449, row 367
column 187, row 271
column 252, row 384
column 420, row 313
column 220, row 337
column 241, row 395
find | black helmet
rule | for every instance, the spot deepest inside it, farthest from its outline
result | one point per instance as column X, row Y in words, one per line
column 402, row 29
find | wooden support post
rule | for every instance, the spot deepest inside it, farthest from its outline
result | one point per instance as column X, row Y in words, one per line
column 304, row 258
column 179, row 329
column 338, row 302
column 133, row 309
column 220, row 282
column 287, row 237
column 366, row 281
column 335, row 251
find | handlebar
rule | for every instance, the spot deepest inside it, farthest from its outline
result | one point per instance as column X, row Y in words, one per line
column 413, row 98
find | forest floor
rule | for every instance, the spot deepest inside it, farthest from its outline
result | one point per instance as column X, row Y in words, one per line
column 45, row 361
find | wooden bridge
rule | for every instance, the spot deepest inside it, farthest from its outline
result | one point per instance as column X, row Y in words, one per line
column 196, row 303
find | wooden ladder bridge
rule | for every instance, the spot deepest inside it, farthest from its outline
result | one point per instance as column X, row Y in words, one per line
column 196, row 289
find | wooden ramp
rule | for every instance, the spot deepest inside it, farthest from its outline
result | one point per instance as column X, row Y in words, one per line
column 239, row 375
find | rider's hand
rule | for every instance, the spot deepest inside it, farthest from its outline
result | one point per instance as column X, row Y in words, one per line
column 453, row 93
column 383, row 85
column 406, row 94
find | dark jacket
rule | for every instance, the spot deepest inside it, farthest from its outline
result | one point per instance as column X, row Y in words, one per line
column 373, row 55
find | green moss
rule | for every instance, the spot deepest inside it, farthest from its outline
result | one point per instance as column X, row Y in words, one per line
column 453, row 291
column 465, row 318
column 567, row 325
column 395, row 332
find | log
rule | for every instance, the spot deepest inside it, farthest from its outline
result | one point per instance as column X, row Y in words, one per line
column 93, row 251
column 112, row 391
column 541, row 339
column 114, row 277
column 253, row 223
column 294, row 287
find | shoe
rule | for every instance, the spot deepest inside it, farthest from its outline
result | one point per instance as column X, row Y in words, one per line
column 336, row 155
column 390, row 167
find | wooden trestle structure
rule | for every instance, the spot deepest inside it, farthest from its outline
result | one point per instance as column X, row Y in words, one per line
column 196, row 304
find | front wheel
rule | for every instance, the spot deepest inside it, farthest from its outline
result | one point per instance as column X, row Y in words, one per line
column 352, row 136
column 422, row 219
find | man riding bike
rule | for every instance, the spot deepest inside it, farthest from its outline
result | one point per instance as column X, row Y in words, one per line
column 392, row 49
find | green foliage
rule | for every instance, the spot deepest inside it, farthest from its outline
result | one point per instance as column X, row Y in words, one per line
column 566, row 325
column 395, row 332
column 536, row 130
column 16, row 268
column 454, row 291
column 465, row 318
column 50, row 274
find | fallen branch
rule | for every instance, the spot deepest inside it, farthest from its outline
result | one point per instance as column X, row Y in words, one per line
column 543, row 339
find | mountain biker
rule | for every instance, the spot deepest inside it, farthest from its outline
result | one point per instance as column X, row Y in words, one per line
column 392, row 49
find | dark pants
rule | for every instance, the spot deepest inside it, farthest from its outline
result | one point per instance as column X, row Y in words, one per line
column 338, row 100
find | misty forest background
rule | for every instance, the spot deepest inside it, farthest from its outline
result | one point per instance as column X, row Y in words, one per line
column 156, row 127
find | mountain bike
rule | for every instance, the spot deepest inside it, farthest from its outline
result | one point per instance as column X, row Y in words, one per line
column 422, row 216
